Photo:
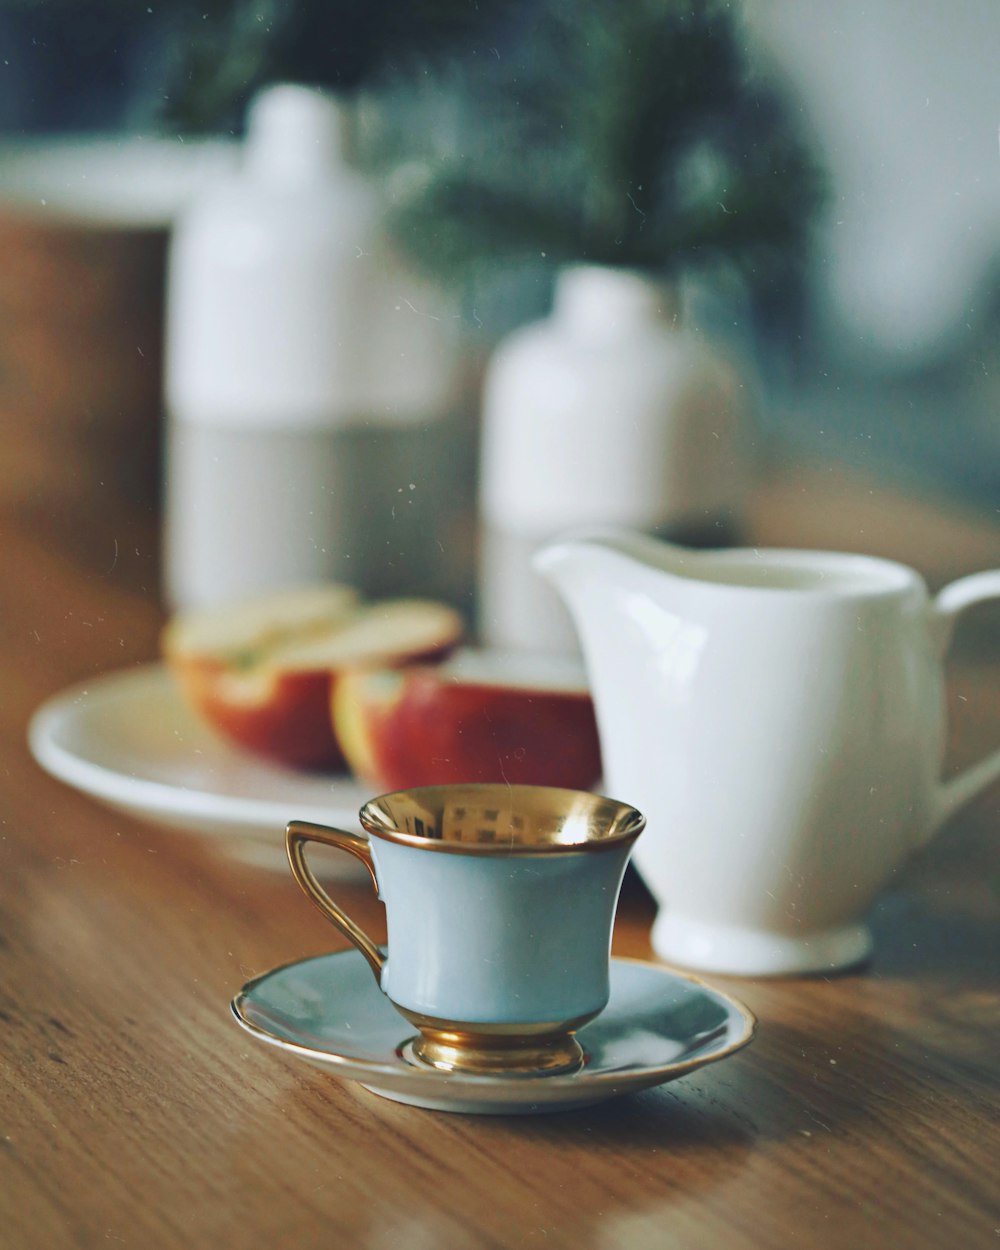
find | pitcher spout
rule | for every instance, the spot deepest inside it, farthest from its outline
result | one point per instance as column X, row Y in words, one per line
column 597, row 572
column 574, row 562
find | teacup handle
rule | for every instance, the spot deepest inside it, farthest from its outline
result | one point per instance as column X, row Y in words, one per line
column 953, row 600
column 298, row 833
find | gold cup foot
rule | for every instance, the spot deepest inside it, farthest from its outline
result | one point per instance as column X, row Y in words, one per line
column 537, row 1054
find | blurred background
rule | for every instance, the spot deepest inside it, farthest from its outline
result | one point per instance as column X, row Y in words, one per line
column 816, row 185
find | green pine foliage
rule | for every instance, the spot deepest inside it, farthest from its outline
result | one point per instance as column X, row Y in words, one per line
column 620, row 132
column 617, row 132
column 193, row 65
column 219, row 52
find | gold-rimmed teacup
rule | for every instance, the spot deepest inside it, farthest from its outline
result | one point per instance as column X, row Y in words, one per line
column 499, row 905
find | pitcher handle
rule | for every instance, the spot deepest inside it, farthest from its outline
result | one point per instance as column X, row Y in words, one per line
column 298, row 833
column 954, row 599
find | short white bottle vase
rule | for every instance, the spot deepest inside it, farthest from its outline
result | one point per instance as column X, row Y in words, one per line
column 607, row 412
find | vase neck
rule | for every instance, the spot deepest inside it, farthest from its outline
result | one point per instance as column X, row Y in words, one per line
column 600, row 301
column 296, row 137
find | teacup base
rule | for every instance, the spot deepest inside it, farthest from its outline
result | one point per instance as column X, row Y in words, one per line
column 495, row 1050
column 753, row 952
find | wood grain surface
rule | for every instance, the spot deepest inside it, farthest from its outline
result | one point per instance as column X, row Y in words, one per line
column 135, row 1113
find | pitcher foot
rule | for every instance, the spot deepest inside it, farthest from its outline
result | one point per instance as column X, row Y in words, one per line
column 755, row 952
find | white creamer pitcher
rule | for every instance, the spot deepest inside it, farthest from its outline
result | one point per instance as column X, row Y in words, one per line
column 779, row 717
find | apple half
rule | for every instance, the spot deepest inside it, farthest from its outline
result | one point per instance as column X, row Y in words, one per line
column 478, row 716
column 262, row 671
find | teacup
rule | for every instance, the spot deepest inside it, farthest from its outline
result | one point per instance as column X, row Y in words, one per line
column 499, row 904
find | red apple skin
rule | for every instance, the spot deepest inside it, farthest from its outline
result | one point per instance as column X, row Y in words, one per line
column 281, row 716
column 416, row 727
column 274, row 698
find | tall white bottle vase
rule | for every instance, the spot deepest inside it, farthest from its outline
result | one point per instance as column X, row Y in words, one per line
column 385, row 509
column 305, row 375
column 608, row 412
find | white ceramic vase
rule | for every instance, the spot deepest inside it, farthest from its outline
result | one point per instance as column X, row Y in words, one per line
column 608, row 412
column 308, row 377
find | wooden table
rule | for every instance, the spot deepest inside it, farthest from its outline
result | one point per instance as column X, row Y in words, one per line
column 135, row 1113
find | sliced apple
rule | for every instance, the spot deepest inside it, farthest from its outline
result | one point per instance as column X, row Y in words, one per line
column 478, row 716
column 262, row 671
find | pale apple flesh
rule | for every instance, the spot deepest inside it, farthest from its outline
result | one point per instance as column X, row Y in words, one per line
column 266, row 682
column 438, row 725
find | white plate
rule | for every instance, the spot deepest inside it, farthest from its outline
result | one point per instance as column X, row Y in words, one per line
column 128, row 739
column 658, row 1025
column 108, row 180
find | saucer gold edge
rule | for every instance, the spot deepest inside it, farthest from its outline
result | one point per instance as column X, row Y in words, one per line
column 369, row 1069
column 748, row 1018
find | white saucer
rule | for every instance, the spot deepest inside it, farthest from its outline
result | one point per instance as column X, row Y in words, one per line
column 658, row 1025
column 128, row 739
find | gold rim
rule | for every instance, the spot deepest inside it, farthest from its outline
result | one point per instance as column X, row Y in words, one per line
column 486, row 818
